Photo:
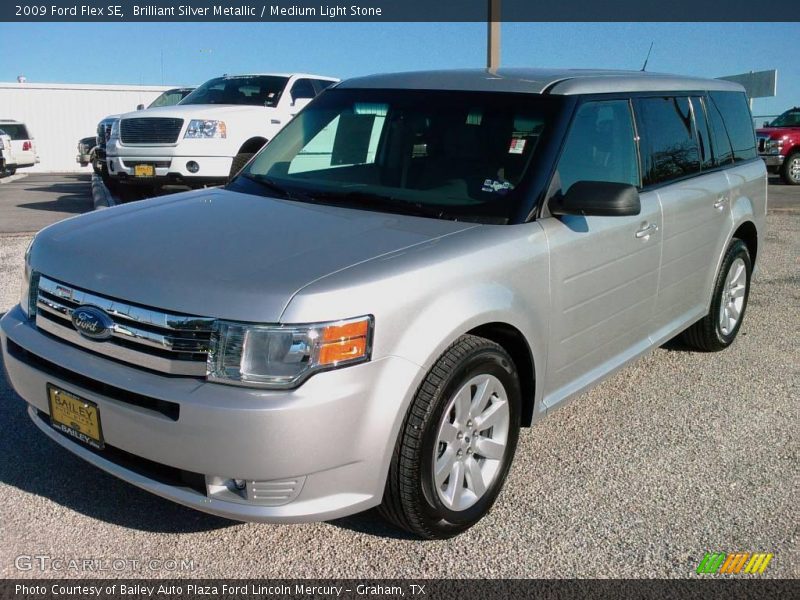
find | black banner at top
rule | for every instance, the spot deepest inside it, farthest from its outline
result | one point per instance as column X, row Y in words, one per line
column 392, row 10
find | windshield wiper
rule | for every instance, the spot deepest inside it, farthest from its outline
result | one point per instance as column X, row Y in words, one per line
column 357, row 199
column 276, row 188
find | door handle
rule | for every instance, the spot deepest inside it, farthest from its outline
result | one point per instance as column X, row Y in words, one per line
column 645, row 232
column 720, row 203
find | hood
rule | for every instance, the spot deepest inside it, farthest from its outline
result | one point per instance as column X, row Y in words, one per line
column 195, row 111
column 218, row 253
column 777, row 132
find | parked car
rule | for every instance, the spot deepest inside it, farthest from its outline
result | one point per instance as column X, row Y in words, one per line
column 779, row 145
column 86, row 148
column 211, row 133
column 415, row 266
column 23, row 148
column 7, row 162
column 167, row 98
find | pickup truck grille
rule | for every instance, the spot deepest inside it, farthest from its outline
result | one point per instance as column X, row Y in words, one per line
column 144, row 337
column 150, row 130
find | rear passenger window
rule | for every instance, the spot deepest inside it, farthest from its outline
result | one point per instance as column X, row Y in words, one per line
column 600, row 146
column 738, row 122
column 723, row 153
column 670, row 147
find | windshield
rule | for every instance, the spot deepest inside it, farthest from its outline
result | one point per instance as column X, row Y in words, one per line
column 170, row 97
column 254, row 90
column 791, row 118
column 457, row 155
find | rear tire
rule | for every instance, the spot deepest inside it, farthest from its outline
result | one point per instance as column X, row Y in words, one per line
column 239, row 161
column 717, row 330
column 446, row 470
column 790, row 169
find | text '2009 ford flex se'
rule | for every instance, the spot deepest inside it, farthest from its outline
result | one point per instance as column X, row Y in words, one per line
column 414, row 268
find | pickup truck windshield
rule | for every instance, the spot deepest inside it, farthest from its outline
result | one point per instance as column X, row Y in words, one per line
column 445, row 154
column 791, row 118
column 253, row 90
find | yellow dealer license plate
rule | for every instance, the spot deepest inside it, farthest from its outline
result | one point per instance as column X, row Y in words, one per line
column 144, row 171
column 75, row 416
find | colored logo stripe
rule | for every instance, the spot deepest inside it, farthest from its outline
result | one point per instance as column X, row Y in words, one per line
column 721, row 562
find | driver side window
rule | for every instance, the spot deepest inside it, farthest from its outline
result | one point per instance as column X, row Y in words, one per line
column 600, row 146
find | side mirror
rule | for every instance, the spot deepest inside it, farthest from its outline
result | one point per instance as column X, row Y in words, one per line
column 599, row 199
column 766, row 124
column 300, row 103
column 140, row 107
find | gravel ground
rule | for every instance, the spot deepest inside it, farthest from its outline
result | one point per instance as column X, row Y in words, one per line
column 677, row 455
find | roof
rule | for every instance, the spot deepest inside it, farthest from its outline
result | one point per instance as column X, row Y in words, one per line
column 540, row 81
column 305, row 75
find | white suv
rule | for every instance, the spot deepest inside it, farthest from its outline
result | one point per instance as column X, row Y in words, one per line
column 23, row 149
column 211, row 133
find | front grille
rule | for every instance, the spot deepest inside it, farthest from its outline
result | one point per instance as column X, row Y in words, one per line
column 150, row 130
column 171, row 410
column 170, row 343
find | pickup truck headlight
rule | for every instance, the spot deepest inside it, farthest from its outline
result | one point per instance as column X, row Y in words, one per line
column 283, row 356
column 114, row 129
column 203, row 129
column 774, row 146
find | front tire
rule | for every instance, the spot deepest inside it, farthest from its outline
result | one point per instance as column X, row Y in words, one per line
column 717, row 330
column 239, row 161
column 790, row 169
column 457, row 441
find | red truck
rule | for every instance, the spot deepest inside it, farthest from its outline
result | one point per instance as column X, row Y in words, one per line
column 779, row 145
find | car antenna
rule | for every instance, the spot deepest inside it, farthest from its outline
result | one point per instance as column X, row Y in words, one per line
column 644, row 66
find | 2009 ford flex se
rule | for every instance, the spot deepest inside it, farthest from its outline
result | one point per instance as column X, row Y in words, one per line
column 414, row 268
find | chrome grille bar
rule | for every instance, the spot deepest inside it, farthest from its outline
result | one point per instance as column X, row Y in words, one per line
column 167, row 342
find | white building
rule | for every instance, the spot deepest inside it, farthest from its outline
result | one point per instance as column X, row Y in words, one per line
column 59, row 114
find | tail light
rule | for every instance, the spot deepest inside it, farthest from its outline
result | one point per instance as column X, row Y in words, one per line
column 27, row 145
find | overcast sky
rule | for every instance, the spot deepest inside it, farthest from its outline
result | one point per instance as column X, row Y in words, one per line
column 194, row 52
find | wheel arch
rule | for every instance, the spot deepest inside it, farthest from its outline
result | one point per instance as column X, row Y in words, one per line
column 748, row 233
column 513, row 341
column 253, row 145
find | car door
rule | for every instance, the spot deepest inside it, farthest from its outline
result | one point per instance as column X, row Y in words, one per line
column 695, row 201
column 603, row 270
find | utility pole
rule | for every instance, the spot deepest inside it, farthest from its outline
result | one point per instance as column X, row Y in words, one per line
column 493, row 36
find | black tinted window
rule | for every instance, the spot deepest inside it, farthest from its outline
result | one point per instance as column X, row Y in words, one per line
column 303, row 88
column 723, row 153
column 670, row 147
column 738, row 122
column 16, row 131
column 323, row 83
column 600, row 146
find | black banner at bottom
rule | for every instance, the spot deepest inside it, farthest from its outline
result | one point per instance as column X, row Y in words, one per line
column 422, row 589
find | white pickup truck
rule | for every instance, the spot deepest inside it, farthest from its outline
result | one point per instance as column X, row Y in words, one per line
column 211, row 133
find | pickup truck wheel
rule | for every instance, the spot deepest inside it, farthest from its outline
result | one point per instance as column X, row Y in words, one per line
column 790, row 170
column 457, row 441
column 239, row 161
column 9, row 171
column 717, row 330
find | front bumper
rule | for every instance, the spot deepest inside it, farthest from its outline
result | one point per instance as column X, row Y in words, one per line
column 318, row 452
column 772, row 160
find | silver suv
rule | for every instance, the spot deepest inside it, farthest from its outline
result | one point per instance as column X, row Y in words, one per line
column 413, row 269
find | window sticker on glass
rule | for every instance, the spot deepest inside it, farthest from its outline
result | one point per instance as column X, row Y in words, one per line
column 497, row 187
column 517, row 146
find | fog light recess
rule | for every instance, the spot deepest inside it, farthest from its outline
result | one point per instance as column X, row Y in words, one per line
column 192, row 166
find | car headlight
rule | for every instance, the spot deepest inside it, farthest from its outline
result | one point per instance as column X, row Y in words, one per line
column 114, row 129
column 283, row 356
column 30, row 286
column 203, row 129
column 774, row 146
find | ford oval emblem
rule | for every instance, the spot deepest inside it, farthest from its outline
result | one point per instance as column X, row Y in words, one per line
column 93, row 323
